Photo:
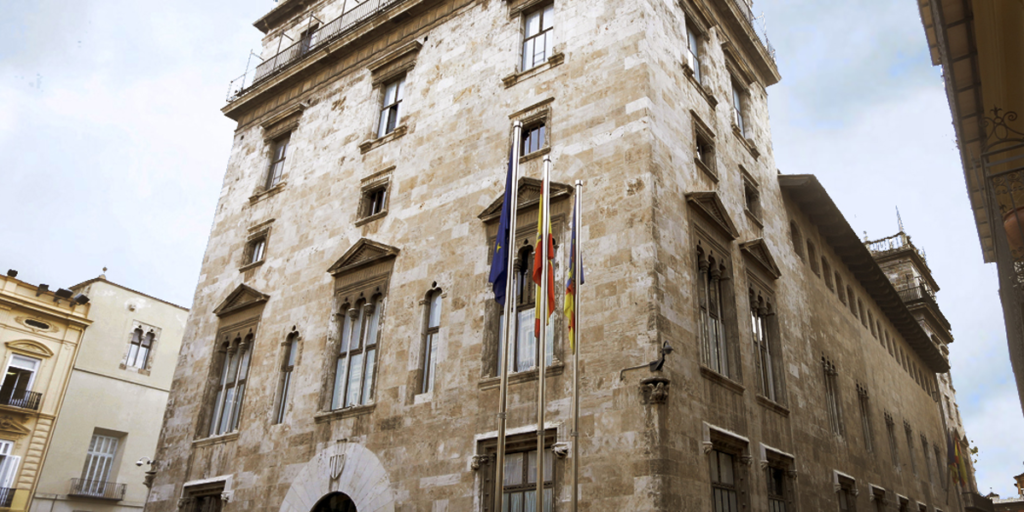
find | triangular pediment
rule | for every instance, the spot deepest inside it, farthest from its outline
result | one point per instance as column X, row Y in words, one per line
column 758, row 251
column 12, row 427
column 362, row 253
column 30, row 347
column 712, row 207
column 241, row 298
column 529, row 195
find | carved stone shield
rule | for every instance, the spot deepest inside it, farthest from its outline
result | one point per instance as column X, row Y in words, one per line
column 337, row 465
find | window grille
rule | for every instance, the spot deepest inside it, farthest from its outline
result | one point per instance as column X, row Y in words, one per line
column 98, row 462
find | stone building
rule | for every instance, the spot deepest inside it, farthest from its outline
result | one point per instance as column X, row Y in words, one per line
column 41, row 331
column 114, row 404
column 341, row 352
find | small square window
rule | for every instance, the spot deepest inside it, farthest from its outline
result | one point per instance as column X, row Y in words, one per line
column 390, row 112
column 705, row 153
column 534, row 139
column 375, row 201
column 752, row 199
column 255, row 250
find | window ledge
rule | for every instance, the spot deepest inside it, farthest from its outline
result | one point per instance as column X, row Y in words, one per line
column 371, row 218
column 267, row 192
column 721, row 380
column 772, row 405
column 708, row 97
column 250, row 266
column 358, row 410
column 423, row 398
column 520, row 377
column 372, row 144
column 535, row 155
column 133, row 369
column 554, row 60
column 212, row 440
column 754, row 218
column 746, row 141
column 707, row 170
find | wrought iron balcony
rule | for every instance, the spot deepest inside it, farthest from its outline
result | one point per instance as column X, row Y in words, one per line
column 23, row 399
column 316, row 39
column 6, row 496
column 97, row 489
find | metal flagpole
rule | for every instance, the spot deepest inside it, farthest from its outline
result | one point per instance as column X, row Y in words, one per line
column 508, row 321
column 577, row 274
column 542, row 336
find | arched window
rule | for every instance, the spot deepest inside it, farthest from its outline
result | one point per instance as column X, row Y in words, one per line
column 138, row 350
column 711, row 328
column 334, row 502
column 765, row 353
column 291, row 349
column 431, row 327
column 839, row 288
column 863, row 317
column 812, row 256
column 826, row 272
column 853, row 302
column 354, row 374
column 235, row 356
column 871, row 324
column 794, row 236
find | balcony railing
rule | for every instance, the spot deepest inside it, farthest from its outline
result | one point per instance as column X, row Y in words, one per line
column 974, row 502
column 97, row 489
column 6, row 496
column 23, row 399
column 762, row 34
column 310, row 42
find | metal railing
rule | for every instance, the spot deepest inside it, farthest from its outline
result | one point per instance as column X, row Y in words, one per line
column 895, row 242
column 761, row 32
column 6, row 496
column 23, row 399
column 97, row 489
column 310, row 42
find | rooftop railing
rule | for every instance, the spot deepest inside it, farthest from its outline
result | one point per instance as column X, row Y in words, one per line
column 97, row 489
column 762, row 34
column 311, row 41
column 23, row 399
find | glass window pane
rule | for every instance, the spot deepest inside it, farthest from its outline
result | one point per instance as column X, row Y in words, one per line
column 374, row 324
column 531, row 467
column 346, row 328
column 516, row 502
column 382, row 128
column 355, row 376
column 549, row 41
column 549, row 500
column 526, row 343
column 133, row 350
column 714, row 467
column 390, row 92
column 140, row 361
column 243, row 370
column 725, row 466
column 528, row 54
column 356, row 340
column 368, row 376
column 431, row 365
column 339, row 383
column 533, row 24
column 229, row 403
column 401, row 89
column 513, row 469
column 291, row 353
column 435, row 310
column 530, row 501
column 549, row 16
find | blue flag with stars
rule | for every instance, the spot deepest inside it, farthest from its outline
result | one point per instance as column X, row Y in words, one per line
column 499, row 263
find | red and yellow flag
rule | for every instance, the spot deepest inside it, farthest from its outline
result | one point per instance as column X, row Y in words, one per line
column 538, row 268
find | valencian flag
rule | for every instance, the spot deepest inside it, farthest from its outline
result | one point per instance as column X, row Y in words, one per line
column 570, row 286
column 956, row 464
column 538, row 267
column 499, row 263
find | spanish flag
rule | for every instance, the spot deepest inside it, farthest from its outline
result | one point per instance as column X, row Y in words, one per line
column 570, row 286
column 538, row 267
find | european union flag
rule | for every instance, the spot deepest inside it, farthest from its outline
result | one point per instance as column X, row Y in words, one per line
column 499, row 263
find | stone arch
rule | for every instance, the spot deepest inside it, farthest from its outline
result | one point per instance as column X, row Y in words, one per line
column 360, row 476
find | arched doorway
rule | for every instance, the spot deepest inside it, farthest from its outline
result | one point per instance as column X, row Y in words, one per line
column 334, row 502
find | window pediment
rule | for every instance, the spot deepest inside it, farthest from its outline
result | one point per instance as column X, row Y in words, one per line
column 12, row 428
column 29, row 347
column 529, row 196
column 364, row 252
column 243, row 297
column 711, row 206
column 758, row 250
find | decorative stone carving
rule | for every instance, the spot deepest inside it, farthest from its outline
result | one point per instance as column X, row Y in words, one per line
column 478, row 461
column 747, row 460
column 561, row 450
column 226, row 496
column 185, row 501
column 654, row 390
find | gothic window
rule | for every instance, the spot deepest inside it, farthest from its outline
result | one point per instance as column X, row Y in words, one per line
column 538, row 37
column 890, row 429
column 291, row 349
column 826, row 272
column 432, row 327
column 840, row 289
column 910, row 446
column 357, row 355
column 278, row 153
column 865, row 418
column 832, row 398
column 233, row 356
column 523, row 350
column 391, row 101
column 766, row 347
column 139, row 347
column 847, row 494
column 853, row 302
column 519, row 488
column 711, row 323
column 794, row 236
column 927, row 462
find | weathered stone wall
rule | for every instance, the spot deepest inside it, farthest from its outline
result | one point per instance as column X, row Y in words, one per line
column 621, row 119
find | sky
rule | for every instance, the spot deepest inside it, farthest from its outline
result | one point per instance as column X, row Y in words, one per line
column 114, row 149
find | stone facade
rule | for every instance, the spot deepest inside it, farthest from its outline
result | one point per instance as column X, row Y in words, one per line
column 623, row 112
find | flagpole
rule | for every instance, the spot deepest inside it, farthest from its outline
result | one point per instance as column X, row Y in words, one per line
column 577, row 273
column 542, row 336
column 508, row 320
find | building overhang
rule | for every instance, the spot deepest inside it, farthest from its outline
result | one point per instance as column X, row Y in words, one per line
column 814, row 201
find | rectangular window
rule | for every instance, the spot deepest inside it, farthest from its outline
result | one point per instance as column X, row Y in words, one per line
column 534, row 139
column 724, row 495
column 278, row 153
column 255, row 250
column 705, row 152
column 752, row 198
column 840, row 289
column 8, row 472
column 826, row 271
column 776, row 478
column 737, row 109
column 711, row 327
column 234, row 370
column 17, row 387
column 309, row 38
column 693, row 53
column 519, row 488
column 430, row 340
column 287, row 367
column 390, row 112
column 98, row 463
column 765, row 357
column 538, row 37
column 865, row 419
column 353, row 378
column 374, row 201
column 834, row 409
column 847, row 495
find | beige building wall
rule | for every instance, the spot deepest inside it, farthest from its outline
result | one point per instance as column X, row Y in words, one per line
column 38, row 325
column 110, row 397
